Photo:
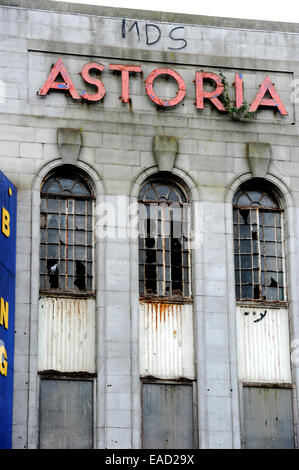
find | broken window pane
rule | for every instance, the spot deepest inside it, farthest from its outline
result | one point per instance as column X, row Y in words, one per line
column 244, row 216
column 256, row 292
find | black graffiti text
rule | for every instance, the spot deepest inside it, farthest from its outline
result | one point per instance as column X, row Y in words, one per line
column 151, row 34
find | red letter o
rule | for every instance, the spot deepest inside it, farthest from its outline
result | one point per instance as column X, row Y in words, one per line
column 150, row 89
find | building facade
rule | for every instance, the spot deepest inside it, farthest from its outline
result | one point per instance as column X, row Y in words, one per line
column 156, row 161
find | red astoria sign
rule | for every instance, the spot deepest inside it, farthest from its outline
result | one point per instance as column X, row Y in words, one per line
column 266, row 87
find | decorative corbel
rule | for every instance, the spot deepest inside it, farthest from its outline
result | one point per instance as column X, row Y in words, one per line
column 259, row 158
column 165, row 151
column 69, row 144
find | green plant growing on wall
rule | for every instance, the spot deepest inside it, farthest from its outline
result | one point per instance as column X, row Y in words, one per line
column 236, row 114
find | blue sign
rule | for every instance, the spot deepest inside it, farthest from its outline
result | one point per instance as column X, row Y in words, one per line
column 8, row 219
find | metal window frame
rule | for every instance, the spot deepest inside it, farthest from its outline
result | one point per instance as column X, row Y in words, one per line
column 71, row 197
column 260, row 301
column 160, row 295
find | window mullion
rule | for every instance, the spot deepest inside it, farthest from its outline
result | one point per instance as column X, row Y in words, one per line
column 241, row 282
column 163, row 247
column 156, row 236
column 283, row 257
column 259, row 253
column 189, row 248
column 159, row 229
column 170, row 250
column 66, row 243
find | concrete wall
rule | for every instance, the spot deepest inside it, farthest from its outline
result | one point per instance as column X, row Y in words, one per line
column 117, row 152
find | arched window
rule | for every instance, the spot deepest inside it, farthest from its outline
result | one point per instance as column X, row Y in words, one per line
column 258, row 238
column 66, row 249
column 164, row 241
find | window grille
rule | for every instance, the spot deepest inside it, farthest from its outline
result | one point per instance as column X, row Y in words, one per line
column 258, row 245
column 66, row 248
column 164, row 241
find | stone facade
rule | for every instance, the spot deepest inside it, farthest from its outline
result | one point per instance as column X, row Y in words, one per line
column 120, row 145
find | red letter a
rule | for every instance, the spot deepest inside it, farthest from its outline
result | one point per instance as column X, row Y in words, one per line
column 57, row 69
column 259, row 100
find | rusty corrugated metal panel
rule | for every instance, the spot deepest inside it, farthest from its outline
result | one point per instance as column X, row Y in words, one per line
column 263, row 345
column 166, row 340
column 67, row 334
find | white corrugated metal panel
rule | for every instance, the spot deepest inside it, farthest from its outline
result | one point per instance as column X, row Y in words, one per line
column 166, row 340
column 263, row 345
column 66, row 334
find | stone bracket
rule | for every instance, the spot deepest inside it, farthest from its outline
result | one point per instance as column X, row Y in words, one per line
column 69, row 144
column 259, row 158
column 165, row 151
